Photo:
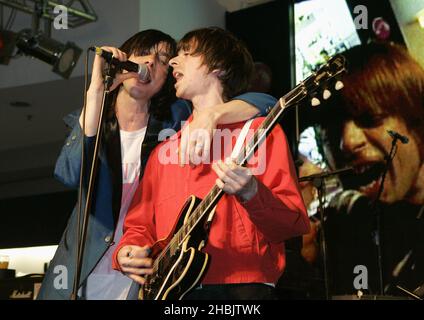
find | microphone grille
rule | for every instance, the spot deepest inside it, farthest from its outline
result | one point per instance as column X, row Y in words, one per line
column 350, row 202
column 143, row 73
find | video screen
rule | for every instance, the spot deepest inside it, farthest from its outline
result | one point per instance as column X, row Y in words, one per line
column 322, row 29
column 372, row 214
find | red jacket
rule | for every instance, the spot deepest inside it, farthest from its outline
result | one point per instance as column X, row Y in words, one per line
column 246, row 240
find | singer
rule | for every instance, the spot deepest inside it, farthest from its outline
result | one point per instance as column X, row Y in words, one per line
column 139, row 110
column 380, row 97
column 384, row 91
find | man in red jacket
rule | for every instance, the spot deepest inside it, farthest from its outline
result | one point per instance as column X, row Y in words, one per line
column 262, row 206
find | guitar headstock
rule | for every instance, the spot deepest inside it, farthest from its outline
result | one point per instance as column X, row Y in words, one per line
column 320, row 84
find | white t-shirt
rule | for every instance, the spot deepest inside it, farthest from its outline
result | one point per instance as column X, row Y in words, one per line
column 104, row 283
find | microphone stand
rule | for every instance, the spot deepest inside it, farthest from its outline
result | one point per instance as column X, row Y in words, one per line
column 325, row 174
column 377, row 210
column 319, row 184
column 318, row 180
column 82, row 229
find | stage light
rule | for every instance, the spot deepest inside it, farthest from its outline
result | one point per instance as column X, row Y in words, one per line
column 63, row 57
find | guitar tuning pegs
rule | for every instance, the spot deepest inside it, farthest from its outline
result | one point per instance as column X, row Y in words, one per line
column 326, row 94
column 315, row 102
column 339, row 85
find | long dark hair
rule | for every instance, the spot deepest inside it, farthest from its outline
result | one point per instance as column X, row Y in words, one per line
column 141, row 44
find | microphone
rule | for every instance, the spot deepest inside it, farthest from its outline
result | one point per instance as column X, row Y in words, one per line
column 346, row 200
column 141, row 69
column 396, row 135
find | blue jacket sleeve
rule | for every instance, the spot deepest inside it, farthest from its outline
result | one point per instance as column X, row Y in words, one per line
column 264, row 102
column 181, row 109
column 68, row 164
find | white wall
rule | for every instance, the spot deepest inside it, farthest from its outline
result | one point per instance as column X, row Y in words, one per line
column 177, row 17
column 28, row 260
column 405, row 12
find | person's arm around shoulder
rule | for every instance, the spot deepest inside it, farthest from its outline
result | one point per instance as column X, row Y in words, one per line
column 196, row 137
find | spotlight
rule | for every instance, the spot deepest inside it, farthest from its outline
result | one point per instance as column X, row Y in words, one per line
column 63, row 57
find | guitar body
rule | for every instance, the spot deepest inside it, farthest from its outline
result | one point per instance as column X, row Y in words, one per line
column 182, row 270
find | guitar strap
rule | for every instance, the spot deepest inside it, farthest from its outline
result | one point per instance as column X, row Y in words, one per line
column 240, row 139
column 237, row 148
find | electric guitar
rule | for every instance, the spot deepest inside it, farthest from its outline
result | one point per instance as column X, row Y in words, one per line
column 179, row 264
